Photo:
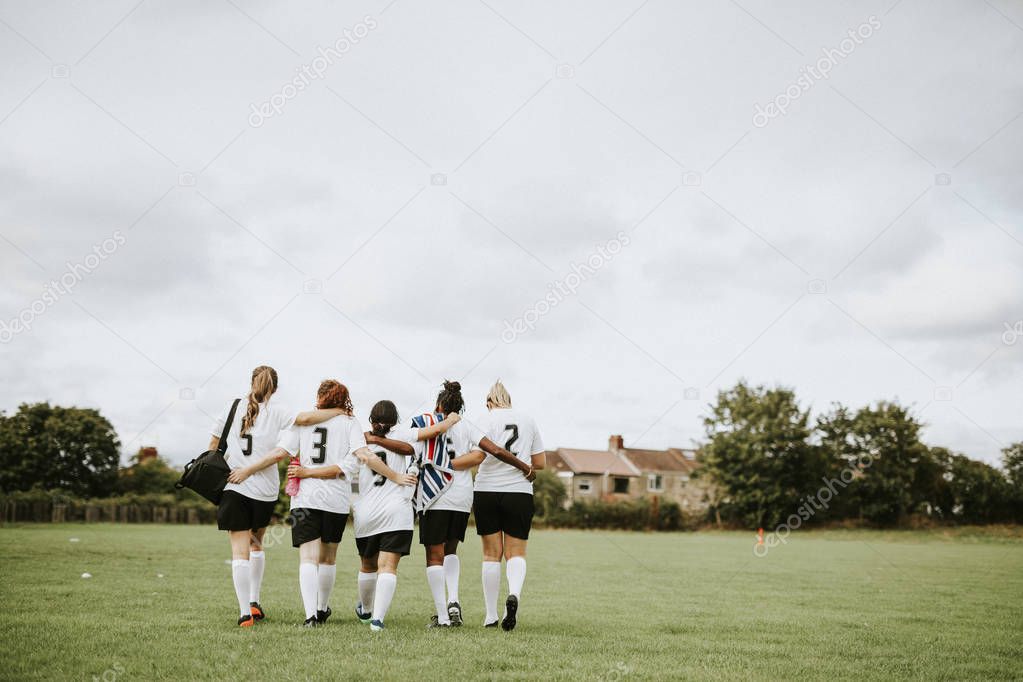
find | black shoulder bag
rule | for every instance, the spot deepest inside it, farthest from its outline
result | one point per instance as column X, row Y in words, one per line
column 207, row 473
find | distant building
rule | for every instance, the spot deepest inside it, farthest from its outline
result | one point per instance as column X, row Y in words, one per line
column 146, row 453
column 621, row 473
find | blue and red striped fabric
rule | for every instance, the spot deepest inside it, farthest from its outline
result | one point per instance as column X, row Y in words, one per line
column 435, row 472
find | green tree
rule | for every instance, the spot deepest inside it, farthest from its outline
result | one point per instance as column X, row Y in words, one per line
column 980, row 493
column 58, row 448
column 893, row 467
column 152, row 475
column 1012, row 464
column 548, row 492
column 758, row 452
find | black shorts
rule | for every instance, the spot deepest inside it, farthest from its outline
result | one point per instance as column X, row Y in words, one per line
column 395, row 541
column 508, row 512
column 315, row 524
column 437, row 527
column 238, row 512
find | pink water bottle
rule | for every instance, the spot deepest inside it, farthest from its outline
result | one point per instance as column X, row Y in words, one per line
column 291, row 487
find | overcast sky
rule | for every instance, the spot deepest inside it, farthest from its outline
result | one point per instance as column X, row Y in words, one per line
column 453, row 161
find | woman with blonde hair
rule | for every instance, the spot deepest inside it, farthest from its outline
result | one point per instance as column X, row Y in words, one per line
column 503, row 500
column 248, row 503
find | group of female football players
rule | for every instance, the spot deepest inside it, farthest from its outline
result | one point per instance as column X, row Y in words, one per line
column 329, row 451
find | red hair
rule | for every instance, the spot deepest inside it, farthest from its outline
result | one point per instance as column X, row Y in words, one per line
column 333, row 394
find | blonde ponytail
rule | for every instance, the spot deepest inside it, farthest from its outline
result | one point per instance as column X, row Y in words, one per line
column 264, row 383
column 498, row 396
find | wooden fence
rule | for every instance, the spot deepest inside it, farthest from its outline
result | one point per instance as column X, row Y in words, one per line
column 55, row 512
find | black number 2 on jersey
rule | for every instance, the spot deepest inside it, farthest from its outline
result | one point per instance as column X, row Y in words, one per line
column 514, row 428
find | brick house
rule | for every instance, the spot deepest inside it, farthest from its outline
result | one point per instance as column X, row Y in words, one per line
column 621, row 473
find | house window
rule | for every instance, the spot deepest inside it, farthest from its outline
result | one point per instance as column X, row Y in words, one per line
column 654, row 483
column 621, row 485
column 584, row 486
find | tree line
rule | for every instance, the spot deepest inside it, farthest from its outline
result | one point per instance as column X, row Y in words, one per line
column 765, row 459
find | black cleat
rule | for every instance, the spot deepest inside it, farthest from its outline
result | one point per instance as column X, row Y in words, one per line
column 435, row 623
column 455, row 614
column 257, row 610
column 511, row 606
column 361, row 615
column 322, row 616
column 490, row 625
column 311, row 622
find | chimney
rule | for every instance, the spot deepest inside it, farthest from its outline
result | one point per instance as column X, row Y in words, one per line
column 615, row 443
column 146, row 453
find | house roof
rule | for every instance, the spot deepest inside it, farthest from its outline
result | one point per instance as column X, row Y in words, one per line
column 672, row 459
column 598, row 462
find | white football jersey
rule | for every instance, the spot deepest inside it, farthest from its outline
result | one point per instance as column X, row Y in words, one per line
column 382, row 505
column 254, row 445
column 516, row 432
column 331, row 442
column 461, row 439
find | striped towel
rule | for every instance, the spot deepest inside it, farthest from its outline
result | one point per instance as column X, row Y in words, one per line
column 435, row 472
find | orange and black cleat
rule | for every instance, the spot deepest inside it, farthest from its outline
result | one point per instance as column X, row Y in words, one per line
column 246, row 621
column 257, row 610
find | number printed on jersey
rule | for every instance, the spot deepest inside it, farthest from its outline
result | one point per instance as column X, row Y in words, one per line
column 320, row 445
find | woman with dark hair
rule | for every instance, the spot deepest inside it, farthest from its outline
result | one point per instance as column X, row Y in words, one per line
column 247, row 505
column 383, row 512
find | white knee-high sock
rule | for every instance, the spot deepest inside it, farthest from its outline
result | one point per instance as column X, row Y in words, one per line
column 516, row 570
column 452, row 569
column 491, row 585
column 309, row 585
column 327, row 574
column 241, row 573
column 367, row 589
column 257, row 563
column 386, row 584
column 435, row 577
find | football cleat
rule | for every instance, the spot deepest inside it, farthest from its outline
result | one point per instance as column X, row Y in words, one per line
column 490, row 625
column 435, row 623
column 455, row 614
column 257, row 610
column 322, row 616
column 246, row 621
column 511, row 606
column 376, row 625
column 363, row 617
column 311, row 622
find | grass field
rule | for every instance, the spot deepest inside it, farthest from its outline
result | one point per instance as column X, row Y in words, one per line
column 596, row 605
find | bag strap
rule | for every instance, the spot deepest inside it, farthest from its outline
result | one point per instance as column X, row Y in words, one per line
column 222, row 445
